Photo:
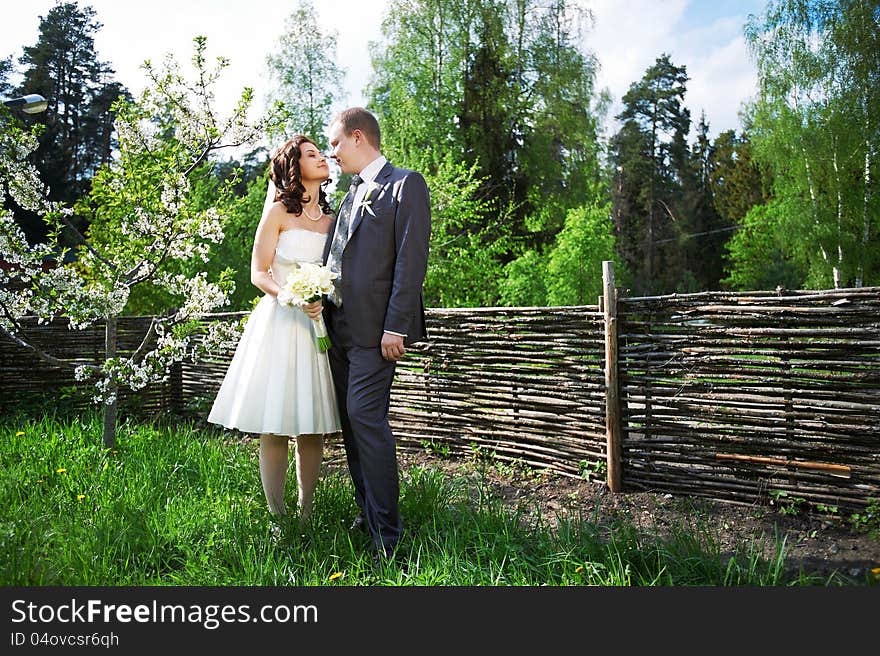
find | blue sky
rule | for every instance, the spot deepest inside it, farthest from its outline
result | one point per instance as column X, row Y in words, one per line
column 628, row 36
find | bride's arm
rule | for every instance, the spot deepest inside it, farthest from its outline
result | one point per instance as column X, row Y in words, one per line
column 263, row 252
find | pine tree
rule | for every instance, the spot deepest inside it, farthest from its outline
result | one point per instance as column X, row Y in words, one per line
column 704, row 231
column 63, row 66
column 650, row 154
column 78, row 137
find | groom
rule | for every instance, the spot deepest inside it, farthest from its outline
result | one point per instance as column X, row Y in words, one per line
column 379, row 248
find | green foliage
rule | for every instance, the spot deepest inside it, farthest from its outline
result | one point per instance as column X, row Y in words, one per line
column 574, row 270
column 230, row 258
column 525, row 281
column 595, row 471
column 650, row 156
column 788, row 504
column 703, row 230
column 756, row 253
column 63, row 67
column 735, row 178
column 502, row 86
column 437, row 448
column 868, row 520
column 79, row 136
column 570, row 273
column 243, row 214
column 468, row 238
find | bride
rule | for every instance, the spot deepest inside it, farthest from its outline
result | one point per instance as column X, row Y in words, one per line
column 278, row 384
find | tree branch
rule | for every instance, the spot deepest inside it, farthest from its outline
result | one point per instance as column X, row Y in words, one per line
column 141, row 350
column 40, row 353
column 85, row 242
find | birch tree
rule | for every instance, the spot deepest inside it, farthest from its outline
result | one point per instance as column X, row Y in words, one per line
column 305, row 77
column 815, row 124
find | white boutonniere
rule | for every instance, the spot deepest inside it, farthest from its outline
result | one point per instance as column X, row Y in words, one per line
column 366, row 203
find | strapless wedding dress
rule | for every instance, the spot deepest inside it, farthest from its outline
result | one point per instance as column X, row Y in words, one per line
column 278, row 381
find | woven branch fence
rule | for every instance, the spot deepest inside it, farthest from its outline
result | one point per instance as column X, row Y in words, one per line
column 733, row 396
column 25, row 378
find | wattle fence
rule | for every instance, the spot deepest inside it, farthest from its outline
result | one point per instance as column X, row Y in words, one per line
column 736, row 396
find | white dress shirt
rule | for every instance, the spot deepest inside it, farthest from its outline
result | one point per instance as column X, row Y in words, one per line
column 368, row 174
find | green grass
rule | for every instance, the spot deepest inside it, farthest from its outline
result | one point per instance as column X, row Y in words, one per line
column 179, row 504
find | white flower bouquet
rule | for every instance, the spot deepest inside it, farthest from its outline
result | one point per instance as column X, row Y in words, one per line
column 306, row 284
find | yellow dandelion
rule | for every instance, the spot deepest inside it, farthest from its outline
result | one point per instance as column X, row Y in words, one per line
column 19, row 433
column 580, row 568
column 40, row 481
column 876, row 572
column 335, row 575
column 60, row 470
column 80, row 497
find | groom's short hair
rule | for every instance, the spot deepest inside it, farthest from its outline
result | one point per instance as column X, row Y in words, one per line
column 358, row 118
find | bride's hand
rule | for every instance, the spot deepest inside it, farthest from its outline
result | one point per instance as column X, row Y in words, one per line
column 313, row 309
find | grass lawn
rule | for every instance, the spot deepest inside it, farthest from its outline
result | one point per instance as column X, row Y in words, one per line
column 180, row 504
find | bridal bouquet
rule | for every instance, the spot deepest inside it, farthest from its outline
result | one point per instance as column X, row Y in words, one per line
column 305, row 284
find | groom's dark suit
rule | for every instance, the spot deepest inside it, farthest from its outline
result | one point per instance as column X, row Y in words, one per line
column 383, row 268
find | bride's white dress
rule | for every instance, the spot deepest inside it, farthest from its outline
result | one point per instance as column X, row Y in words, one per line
column 278, row 381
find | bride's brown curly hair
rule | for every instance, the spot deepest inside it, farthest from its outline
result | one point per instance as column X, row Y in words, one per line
column 287, row 177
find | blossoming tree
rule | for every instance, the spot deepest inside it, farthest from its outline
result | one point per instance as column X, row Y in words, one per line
column 143, row 231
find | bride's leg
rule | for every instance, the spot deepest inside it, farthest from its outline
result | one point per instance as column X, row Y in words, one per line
column 273, row 471
column 309, row 452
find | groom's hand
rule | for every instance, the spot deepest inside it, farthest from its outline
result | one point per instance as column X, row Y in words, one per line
column 392, row 347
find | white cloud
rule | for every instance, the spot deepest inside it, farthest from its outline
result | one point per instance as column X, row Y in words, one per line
column 719, row 84
column 630, row 36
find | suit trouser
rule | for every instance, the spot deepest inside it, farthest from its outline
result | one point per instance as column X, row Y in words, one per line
column 363, row 379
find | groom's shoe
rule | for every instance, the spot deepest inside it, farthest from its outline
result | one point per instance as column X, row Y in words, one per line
column 359, row 524
column 383, row 559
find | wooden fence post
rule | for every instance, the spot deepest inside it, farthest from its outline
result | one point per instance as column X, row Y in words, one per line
column 612, row 395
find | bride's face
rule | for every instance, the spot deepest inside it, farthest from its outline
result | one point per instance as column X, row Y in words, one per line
column 313, row 164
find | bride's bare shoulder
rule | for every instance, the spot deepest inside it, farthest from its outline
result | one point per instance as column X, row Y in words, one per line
column 276, row 212
column 278, row 206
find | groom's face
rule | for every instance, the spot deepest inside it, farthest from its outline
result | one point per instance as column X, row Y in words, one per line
column 343, row 148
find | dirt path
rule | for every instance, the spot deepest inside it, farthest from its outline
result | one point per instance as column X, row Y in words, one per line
column 819, row 544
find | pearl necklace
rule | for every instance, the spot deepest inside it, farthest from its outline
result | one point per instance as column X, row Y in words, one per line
column 313, row 218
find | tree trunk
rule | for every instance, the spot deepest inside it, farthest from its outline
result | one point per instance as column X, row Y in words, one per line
column 866, row 203
column 836, row 269
column 814, row 202
column 110, row 408
column 649, row 285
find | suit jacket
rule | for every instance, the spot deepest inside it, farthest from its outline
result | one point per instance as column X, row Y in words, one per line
column 386, row 258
